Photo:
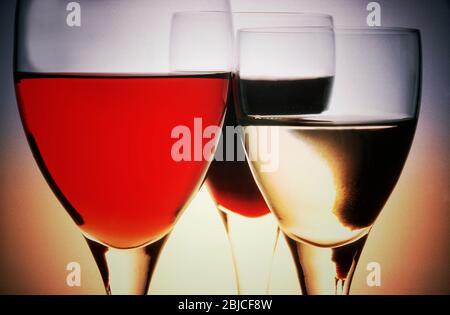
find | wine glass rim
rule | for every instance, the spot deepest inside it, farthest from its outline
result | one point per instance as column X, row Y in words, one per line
column 300, row 13
column 376, row 29
column 285, row 29
column 336, row 29
column 188, row 12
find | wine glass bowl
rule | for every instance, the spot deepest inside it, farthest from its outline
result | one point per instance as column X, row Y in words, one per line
column 229, row 178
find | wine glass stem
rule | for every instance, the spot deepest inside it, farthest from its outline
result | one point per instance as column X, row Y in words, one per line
column 253, row 243
column 325, row 271
column 126, row 271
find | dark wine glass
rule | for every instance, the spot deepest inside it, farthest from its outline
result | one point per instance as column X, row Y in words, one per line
column 251, row 230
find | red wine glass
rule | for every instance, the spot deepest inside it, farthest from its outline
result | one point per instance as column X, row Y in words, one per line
column 99, row 102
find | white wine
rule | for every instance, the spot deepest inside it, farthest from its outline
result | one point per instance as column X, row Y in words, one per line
column 333, row 178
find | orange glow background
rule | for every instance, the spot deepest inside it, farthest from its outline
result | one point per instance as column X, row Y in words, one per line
column 410, row 238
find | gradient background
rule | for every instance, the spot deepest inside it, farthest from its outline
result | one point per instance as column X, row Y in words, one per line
column 410, row 239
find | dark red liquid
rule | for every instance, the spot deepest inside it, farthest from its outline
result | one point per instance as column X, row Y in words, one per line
column 231, row 183
column 104, row 145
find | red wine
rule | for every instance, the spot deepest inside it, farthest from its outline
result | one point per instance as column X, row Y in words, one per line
column 284, row 97
column 231, row 183
column 233, row 188
column 104, row 146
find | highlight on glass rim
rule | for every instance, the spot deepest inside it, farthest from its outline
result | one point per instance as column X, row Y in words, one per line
column 230, row 155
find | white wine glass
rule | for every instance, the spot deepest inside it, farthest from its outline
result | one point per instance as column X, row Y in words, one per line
column 338, row 149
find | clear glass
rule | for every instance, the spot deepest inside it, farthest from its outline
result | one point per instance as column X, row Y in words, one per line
column 329, row 117
column 251, row 230
column 95, row 83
